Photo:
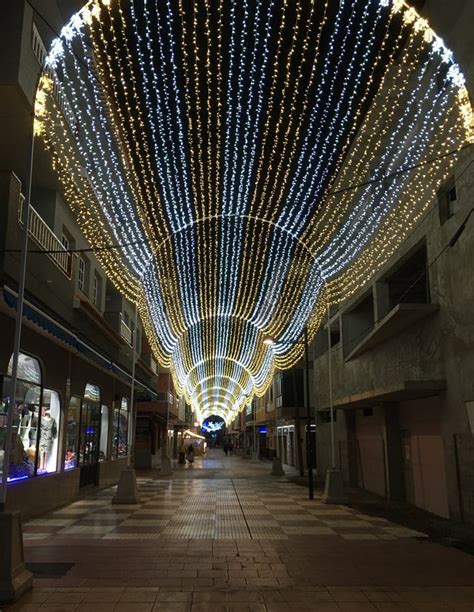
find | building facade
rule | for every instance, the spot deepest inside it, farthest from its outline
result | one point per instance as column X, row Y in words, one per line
column 401, row 351
column 72, row 404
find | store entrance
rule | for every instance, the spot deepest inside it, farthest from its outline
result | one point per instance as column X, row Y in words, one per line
column 89, row 441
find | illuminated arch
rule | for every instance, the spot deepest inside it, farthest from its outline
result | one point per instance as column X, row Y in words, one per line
column 225, row 163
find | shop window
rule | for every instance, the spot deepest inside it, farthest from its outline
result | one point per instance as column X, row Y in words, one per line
column 90, row 426
column 104, row 433
column 28, row 368
column 120, row 429
column 49, row 432
column 72, row 433
column 26, row 408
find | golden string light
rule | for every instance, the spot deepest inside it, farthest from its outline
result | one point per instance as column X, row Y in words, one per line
column 219, row 141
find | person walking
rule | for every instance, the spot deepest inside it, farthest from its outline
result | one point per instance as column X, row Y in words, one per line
column 182, row 453
column 191, row 454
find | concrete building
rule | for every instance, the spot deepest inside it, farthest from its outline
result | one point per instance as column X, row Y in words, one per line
column 402, row 347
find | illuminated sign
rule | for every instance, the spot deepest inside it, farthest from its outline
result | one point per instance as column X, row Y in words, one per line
column 212, row 426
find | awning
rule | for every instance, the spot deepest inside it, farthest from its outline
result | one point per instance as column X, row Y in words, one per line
column 80, row 346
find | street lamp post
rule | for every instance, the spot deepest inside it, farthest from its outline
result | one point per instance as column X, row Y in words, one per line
column 165, row 469
column 277, row 468
column 309, row 438
column 127, row 491
column 254, row 445
column 15, row 579
column 334, row 485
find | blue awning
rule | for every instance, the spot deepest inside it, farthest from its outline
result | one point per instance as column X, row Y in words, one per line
column 48, row 324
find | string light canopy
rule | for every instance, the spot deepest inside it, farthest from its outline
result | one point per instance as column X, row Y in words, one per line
column 257, row 161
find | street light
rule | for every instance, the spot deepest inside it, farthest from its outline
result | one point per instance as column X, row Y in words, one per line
column 309, row 441
column 277, row 468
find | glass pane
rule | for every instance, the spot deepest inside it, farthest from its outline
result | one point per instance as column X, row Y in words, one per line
column 25, row 428
column 115, row 431
column 123, row 433
column 72, row 432
column 90, row 429
column 28, row 368
column 92, row 393
column 49, row 433
column 104, row 433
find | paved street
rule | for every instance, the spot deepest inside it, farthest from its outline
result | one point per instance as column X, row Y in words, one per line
column 225, row 535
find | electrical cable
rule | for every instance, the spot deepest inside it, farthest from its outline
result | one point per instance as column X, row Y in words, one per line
column 350, row 187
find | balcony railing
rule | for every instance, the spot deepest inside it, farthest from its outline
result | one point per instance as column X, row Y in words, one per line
column 126, row 332
column 46, row 239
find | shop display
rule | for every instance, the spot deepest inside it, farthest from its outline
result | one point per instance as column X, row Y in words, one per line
column 36, row 421
column 72, row 432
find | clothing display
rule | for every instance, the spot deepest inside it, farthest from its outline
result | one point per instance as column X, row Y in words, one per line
column 48, row 433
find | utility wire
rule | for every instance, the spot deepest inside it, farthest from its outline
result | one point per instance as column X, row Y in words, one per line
column 146, row 241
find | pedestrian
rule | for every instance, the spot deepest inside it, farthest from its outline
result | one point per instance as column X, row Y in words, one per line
column 182, row 453
column 191, row 453
column 231, row 447
column 225, row 446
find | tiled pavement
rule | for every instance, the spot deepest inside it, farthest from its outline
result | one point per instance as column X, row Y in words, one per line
column 230, row 537
column 223, row 509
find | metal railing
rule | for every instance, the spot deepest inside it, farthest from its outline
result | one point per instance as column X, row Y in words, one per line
column 42, row 234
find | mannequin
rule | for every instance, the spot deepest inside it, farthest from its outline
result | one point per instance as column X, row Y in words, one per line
column 48, row 433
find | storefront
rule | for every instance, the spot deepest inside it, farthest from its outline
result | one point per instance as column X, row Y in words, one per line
column 36, row 422
column 56, row 451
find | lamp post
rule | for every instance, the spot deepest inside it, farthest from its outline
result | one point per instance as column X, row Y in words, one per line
column 309, row 437
column 334, row 485
column 165, row 469
column 15, row 579
column 127, row 491
column 254, row 444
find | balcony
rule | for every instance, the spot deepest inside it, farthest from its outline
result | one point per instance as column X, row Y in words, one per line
column 394, row 323
column 150, row 362
column 45, row 238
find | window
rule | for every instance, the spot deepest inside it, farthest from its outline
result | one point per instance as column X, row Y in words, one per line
column 26, row 414
column 72, row 433
column 97, row 290
column 447, row 200
column 65, row 242
column 36, row 422
column 104, row 433
column 335, row 335
column 49, row 432
column 120, row 429
column 324, row 416
column 90, row 426
column 368, row 412
column 81, row 275
column 137, row 341
column 38, row 46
